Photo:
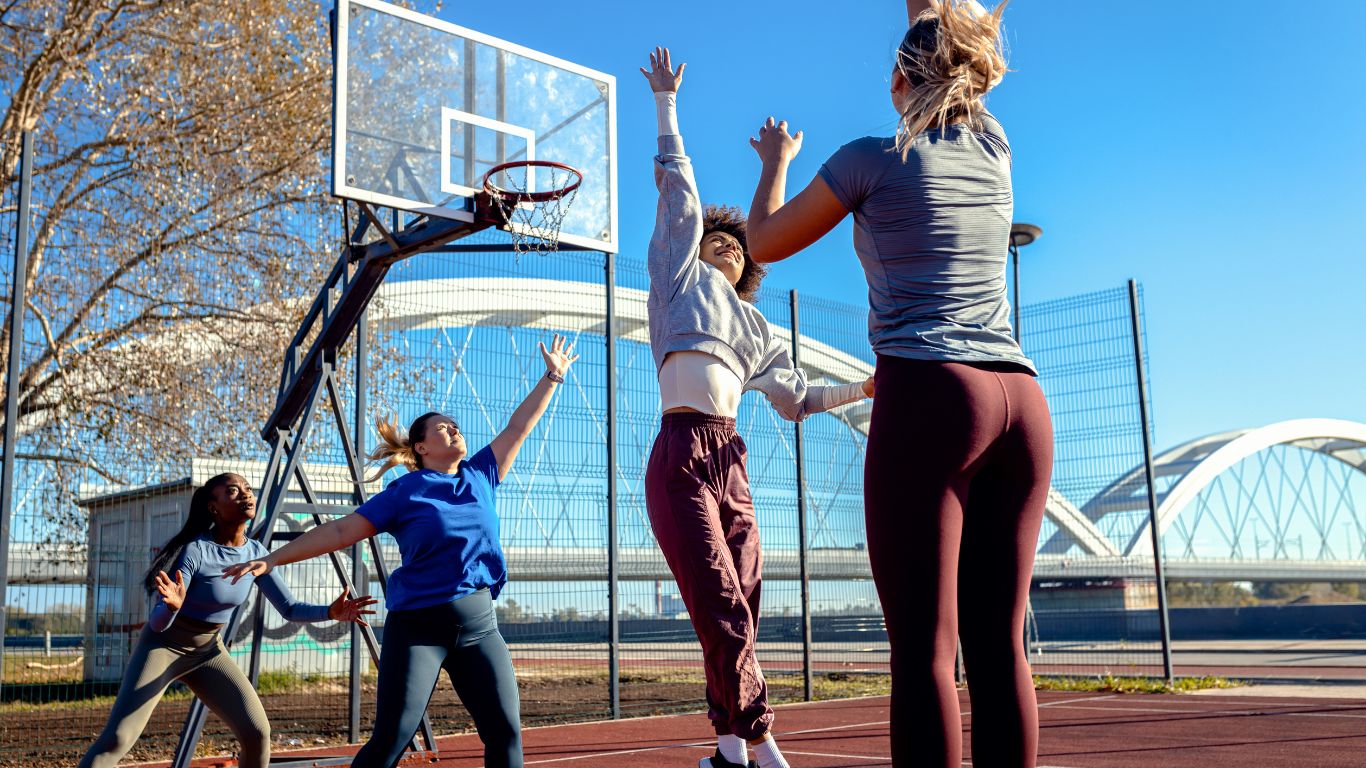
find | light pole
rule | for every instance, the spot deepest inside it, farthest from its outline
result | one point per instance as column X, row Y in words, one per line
column 1020, row 235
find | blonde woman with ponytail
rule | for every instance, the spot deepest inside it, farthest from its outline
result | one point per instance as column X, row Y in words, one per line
column 443, row 515
column 960, row 446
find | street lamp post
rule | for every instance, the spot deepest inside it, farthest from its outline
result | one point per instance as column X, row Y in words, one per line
column 1020, row 235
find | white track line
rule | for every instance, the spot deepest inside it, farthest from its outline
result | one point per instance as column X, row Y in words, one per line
column 834, row 728
column 697, row 745
column 709, row 744
column 969, row 763
column 1060, row 702
column 1214, row 712
column 841, row 757
column 1118, row 710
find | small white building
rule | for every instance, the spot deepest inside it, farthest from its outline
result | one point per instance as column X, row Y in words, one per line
column 127, row 528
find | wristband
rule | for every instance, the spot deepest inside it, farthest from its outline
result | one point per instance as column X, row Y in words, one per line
column 667, row 111
column 555, row 377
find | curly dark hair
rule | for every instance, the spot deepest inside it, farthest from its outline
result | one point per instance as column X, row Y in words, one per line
column 731, row 220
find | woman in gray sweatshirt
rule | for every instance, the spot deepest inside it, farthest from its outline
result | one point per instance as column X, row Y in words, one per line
column 710, row 344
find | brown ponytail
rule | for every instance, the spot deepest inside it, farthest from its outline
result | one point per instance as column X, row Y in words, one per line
column 396, row 445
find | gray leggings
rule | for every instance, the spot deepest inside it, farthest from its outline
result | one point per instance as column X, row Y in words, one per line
column 461, row 637
column 193, row 653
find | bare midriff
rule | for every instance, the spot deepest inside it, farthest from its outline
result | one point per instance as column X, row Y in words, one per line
column 691, row 381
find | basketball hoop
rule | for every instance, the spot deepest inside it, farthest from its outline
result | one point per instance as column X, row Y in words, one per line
column 532, row 216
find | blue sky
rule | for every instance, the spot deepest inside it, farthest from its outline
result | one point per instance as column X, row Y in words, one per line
column 1213, row 151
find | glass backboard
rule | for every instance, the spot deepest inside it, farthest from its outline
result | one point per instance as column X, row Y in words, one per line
column 424, row 108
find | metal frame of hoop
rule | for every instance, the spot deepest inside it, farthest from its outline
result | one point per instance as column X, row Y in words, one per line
column 535, row 229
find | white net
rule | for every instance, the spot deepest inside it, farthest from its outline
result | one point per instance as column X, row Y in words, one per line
column 532, row 201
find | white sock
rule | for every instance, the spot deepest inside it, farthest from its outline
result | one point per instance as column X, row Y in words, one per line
column 732, row 748
column 767, row 755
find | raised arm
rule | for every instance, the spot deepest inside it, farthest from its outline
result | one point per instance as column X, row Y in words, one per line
column 914, row 8
column 775, row 229
column 329, row 537
column 678, row 217
column 508, row 442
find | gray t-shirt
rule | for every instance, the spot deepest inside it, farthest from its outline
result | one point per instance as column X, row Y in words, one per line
column 932, row 233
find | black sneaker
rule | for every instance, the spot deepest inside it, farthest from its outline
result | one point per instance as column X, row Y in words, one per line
column 719, row 761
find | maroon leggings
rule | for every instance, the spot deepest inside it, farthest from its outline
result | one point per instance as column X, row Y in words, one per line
column 697, row 494
column 957, row 474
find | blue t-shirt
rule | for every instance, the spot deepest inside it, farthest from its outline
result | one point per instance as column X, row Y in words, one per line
column 447, row 532
column 212, row 598
column 932, row 233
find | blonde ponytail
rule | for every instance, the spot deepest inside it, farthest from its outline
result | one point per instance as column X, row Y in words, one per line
column 952, row 56
column 393, row 449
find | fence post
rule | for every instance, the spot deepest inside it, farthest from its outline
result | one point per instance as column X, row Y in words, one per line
column 1163, row 625
column 613, row 624
column 357, row 558
column 802, row 573
column 18, row 295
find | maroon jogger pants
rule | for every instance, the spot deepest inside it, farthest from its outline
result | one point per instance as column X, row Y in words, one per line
column 697, row 494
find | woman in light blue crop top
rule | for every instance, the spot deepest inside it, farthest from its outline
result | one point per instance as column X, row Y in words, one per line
column 181, row 638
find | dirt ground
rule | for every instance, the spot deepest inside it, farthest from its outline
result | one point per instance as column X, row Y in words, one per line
column 57, row 735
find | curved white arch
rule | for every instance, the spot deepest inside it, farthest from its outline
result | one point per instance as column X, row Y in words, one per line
column 574, row 306
column 1336, row 438
column 1187, row 469
column 1077, row 527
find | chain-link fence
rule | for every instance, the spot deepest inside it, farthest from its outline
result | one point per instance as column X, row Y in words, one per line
column 456, row 331
column 1094, row 609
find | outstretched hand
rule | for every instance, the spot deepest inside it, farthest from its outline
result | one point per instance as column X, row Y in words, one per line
column 346, row 608
column 662, row 77
column 560, row 355
column 774, row 143
column 255, row 568
column 172, row 592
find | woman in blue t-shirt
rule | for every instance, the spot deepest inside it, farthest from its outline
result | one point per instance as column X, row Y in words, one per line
column 440, row 600
column 181, row 638
column 960, row 444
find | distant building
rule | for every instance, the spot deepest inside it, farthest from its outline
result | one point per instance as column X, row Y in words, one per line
column 128, row 526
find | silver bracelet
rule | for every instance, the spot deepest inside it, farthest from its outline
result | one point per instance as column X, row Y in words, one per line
column 555, row 377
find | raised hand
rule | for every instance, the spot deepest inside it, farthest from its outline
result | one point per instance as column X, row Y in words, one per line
column 560, row 355
column 346, row 608
column 255, row 568
column 662, row 77
column 774, row 144
column 172, row 592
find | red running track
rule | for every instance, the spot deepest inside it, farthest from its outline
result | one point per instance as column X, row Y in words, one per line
column 1078, row 730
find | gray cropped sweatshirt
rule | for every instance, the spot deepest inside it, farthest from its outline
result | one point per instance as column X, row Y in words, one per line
column 693, row 307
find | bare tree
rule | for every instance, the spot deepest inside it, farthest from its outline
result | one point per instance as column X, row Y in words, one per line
column 181, row 222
